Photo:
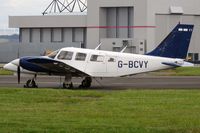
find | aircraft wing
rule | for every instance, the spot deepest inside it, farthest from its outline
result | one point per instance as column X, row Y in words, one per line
column 50, row 66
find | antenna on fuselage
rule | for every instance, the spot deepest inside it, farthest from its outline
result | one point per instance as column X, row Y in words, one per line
column 122, row 51
column 98, row 46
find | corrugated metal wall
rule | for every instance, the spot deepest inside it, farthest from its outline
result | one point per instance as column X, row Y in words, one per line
column 35, row 41
column 46, row 35
column 9, row 51
column 67, row 35
column 52, row 35
column 119, row 17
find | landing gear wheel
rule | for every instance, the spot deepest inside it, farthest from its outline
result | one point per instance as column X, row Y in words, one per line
column 30, row 84
column 68, row 85
column 86, row 83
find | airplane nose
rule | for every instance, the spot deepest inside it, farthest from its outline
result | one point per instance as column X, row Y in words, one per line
column 5, row 66
column 15, row 62
column 10, row 67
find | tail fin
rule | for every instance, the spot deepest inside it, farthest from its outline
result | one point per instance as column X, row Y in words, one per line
column 176, row 44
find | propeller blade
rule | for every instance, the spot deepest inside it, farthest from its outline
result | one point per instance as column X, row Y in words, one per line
column 19, row 73
column 18, row 69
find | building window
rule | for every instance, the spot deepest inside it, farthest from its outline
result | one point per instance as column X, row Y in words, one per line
column 78, row 35
column 56, row 35
column 196, row 57
column 193, row 56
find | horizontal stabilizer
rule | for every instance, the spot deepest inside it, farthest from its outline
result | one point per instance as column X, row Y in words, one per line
column 171, row 64
column 178, row 64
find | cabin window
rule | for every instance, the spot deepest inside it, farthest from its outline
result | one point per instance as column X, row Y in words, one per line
column 80, row 56
column 65, row 55
column 111, row 59
column 97, row 58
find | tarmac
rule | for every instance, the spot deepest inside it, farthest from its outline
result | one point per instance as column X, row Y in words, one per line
column 133, row 82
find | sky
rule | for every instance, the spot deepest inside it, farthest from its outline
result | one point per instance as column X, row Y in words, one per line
column 19, row 8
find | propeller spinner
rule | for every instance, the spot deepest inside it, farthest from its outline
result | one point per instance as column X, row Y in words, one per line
column 17, row 63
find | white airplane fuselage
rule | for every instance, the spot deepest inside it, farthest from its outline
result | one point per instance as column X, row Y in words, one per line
column 115, row 64
column 111, row 64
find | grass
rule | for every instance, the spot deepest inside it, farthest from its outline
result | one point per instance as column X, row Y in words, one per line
column 52, row 111
column 5, row 72
column 187, row 71
column 180, row 71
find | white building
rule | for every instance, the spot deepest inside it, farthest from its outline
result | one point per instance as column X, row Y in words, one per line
column 140, row 24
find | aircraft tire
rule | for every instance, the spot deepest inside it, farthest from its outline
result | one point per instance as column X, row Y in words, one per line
column 86, row 83
column 30, row 84
column 68, row 85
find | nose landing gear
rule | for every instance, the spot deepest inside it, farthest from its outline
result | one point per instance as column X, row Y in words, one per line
column 31, row 83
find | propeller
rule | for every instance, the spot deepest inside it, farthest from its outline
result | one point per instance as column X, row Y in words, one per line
column 18, row 69
column 18, row 74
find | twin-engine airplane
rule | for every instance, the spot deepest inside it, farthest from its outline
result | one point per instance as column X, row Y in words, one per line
column 86, row 63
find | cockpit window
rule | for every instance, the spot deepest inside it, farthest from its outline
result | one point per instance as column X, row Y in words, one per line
column 97, row 58
column 65, row 55
column 53, row 54
column 80, row 56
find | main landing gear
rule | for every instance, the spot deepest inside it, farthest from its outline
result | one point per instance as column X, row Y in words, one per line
column 31, row 83
column 67, row 84
column 86, row 83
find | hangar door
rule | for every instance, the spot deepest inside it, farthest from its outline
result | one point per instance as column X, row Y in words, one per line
column 165, row 23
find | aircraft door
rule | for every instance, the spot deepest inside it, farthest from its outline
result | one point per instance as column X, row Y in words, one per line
column 111, row 64
column 96, row 64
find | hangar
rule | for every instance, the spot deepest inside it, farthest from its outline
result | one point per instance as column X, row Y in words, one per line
column 138, row 24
